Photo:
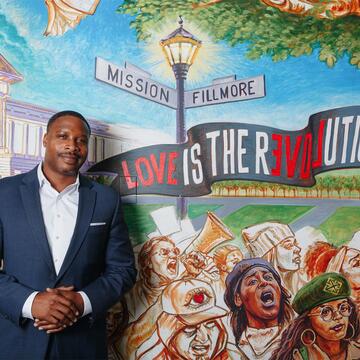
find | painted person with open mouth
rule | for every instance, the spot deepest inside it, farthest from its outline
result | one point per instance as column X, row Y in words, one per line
column 328, row 323
column 259, row 306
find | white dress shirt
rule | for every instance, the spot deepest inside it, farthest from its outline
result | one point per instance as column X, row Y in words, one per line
column 59, row 212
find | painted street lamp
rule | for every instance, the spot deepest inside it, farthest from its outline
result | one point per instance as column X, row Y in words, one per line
column 180, row 49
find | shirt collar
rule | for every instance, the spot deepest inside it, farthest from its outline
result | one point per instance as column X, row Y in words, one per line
column 44, row 181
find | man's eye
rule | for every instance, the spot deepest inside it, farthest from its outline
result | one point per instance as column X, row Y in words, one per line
column 252, row 282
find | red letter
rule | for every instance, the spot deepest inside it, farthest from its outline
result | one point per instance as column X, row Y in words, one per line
column 171, row 168
column 318, row 161
column 150, row 180
column 130, row 184
column 306, row 158
column 159, row 170
column 291, row 161
column 278, row 154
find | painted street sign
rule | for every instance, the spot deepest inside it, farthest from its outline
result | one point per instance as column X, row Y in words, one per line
column 136, row 81
column 225, row 90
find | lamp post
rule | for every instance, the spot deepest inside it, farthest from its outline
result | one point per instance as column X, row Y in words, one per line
column 180, row 49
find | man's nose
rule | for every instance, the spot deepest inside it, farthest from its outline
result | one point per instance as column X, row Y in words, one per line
column 71, row 144
column 201, row 334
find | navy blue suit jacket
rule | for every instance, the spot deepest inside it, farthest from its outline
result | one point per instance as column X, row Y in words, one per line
column 99, row 261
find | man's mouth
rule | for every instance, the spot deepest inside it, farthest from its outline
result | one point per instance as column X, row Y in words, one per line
column 171, row 266
column 70, row 157
column 297, row 260
column 200, row 349
column 267, row 298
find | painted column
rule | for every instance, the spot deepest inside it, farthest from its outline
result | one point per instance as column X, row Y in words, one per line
column 4, row 90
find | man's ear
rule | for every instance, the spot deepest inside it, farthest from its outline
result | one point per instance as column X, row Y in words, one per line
column 237, row 300
column 45, row 140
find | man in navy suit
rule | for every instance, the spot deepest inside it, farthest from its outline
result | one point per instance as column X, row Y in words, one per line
column 65, row 250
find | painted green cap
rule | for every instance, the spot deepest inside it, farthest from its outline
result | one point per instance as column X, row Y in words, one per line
column 320, row 290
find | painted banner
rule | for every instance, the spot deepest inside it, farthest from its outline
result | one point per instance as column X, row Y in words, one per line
column 226, row 151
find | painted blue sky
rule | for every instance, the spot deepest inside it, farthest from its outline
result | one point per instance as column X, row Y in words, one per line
column 59, row 73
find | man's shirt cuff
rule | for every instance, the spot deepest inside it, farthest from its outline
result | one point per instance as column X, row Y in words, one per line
column 87, row 304
column 26, row 310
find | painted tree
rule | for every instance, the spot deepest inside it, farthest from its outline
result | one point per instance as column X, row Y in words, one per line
column 328, row 184
column 262, row 187
column 265, row 30
column 348, row 184
column 274, row 188
column 319, row 186
column 356, row 180
column 338, row 184
column 245, row 185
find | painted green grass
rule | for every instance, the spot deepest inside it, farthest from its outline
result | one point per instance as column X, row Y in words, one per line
column 254, row 214
column 139, row 222
column 198, row 210
column 340, row 227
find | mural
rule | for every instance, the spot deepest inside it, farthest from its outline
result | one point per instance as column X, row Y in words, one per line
column 231, row 128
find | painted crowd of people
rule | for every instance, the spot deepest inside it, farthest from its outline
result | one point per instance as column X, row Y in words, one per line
column 270, row 302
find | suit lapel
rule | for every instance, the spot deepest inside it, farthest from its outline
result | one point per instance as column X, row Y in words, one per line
column 87, row 197
column 30, row 196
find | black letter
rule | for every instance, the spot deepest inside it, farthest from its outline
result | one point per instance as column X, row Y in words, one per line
column 113, row 77
column 153, row 86
column 128, row 77
column 242, row 87
column 234, row 87
column 164, row 94
column 224, row 93
column 139, row 88
column 250, row 87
